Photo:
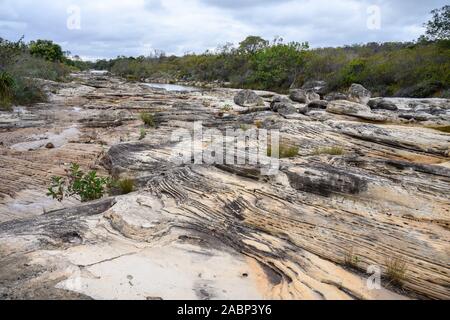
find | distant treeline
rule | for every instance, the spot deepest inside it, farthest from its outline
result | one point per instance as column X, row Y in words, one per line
column 415, row 69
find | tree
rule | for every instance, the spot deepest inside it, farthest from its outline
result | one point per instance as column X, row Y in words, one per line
column 252, row 44
column 277, row 66
column 46, row 49
column 438, row 28
column 10, row 51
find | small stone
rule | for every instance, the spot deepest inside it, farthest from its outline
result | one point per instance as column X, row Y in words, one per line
column 50, row 146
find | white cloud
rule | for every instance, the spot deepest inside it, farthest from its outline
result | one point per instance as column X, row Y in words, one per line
column 135, row 27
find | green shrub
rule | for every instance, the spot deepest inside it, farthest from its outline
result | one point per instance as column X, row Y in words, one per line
column 6, row 90
column 46, row 49
column 148, row 119
column 84, row 186
column 27, row 92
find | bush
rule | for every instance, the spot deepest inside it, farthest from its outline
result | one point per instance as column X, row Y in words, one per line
column 148, row 119
column 33, row 67
column 27, row 92
column 84, row 186
column 46, row 49
column 6, row 90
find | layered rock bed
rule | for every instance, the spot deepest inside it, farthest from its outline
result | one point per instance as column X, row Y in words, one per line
column 368, row 184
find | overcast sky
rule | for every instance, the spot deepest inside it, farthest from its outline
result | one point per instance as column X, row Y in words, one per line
column 107, row 28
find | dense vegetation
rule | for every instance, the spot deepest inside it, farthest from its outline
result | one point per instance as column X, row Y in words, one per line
column 21, row 64
column 415, row 69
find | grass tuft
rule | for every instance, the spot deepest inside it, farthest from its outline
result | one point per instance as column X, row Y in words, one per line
column 396, row 269
column 126, row 186
column 445, row 129
column 351, row 259
column 286, row 151
column 334, row 151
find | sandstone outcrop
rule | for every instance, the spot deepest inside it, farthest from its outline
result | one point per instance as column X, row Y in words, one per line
column 358, row 194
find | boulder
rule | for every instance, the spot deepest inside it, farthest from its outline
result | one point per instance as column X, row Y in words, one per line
column 284, row 106
column 319, row 87
column 287, row 110
column 347, row 107
column 303, row 96
column 354, row 109
column 336, row 96
column 50, row 146
column 382, row 104
column 248, row 98
column 359, row 94
column 318, row 104
column 279, row 101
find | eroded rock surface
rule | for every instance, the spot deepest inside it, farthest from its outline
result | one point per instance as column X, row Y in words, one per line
column 197, row 231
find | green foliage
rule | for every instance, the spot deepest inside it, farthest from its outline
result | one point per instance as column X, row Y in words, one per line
column 46, row 49
column 438, row 28
column 252, row 44
column 28, row 92
column 6, row 90
column 19, row 69
column 142, row 134
column 148, row 119
column 388, row 69
column 84, row 186
column 276, row 66
column 9, row 52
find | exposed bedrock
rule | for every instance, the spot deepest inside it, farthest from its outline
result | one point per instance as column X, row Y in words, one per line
column 354, row 193
column 325, row 180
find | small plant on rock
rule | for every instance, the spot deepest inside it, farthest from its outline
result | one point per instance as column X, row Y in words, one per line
column 227, row 108
column 285, row 151
column 333, row 151
column 396, row 269
column 121, row 186
column 148, row 119
column 142, row 134
column 350, row 259
column 84, row 186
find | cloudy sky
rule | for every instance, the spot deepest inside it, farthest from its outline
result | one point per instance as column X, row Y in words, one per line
column 107, row 28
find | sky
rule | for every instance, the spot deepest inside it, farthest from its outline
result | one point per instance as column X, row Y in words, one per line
column 108, row 28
